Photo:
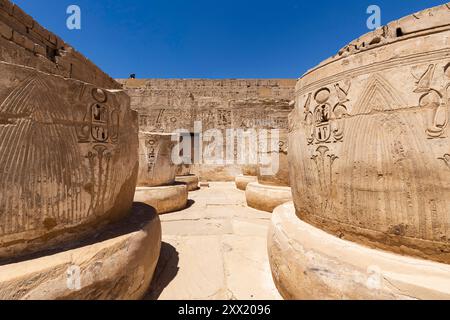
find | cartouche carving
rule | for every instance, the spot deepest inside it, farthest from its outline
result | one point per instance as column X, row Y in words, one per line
column 325, row 122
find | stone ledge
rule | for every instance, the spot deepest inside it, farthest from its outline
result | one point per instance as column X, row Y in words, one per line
column 191, row 181
column 265, row 197
column 164, row 199
column 243, row 181
column 116, row 263
column 308, row 263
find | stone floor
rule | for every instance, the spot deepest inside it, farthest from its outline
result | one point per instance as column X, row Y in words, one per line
column 215, row 249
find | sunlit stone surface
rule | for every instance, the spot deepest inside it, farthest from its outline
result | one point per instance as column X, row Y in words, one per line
column 272, row 187
column 369, row 158
column 68, row 171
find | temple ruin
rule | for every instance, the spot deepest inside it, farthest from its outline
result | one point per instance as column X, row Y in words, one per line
column 332, row 186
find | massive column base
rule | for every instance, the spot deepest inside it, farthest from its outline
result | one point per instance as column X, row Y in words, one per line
column 164, row 199
column 243, row 181
column 191, row 181
column 266, row 198
column 308, row 263
column 117, row 263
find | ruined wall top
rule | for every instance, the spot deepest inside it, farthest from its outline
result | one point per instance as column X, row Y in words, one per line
column 429, row 21
column 235, row 89
column 25, row 42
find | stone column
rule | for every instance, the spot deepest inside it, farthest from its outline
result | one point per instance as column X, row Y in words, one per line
column 369, row 158
column 156, row 182
column 272, row 187
column 184, row 171
column 68, row 170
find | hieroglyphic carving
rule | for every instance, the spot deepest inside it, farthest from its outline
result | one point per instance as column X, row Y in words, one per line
column 324, row 161
column 446, row 159
column 324, row 122
column 165, row 120
column 224, row 118
column 283, row 147
column 435, row 99
column 101, row 122
column 101, row 128
column 100, row 168
column 152, row 151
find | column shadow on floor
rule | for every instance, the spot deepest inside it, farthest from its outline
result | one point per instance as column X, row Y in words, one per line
column 166, row 270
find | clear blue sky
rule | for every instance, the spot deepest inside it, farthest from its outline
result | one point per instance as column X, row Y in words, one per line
column 213, row 38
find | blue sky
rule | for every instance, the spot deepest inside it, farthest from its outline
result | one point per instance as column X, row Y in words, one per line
column 215, row 38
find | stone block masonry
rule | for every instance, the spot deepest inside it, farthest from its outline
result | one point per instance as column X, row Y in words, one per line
column 24, row 41
column 166, row 105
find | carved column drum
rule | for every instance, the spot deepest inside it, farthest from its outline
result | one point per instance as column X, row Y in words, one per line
column 370, row 141
column 183, row 170
column 156, row 167
column 273, row 169
column 250, row 170
column 68, row 158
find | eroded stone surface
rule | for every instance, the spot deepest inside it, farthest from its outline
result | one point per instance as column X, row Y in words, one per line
column 308, row 263
column 155, row 159
column 169, row 105
column 23, row 41
column 274, row 167
column 215, row 249
column 68, row 171
column 369, row 146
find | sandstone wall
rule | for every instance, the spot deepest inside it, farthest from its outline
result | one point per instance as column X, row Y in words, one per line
column 168, row 105
column 24, row 41
column 369, row 142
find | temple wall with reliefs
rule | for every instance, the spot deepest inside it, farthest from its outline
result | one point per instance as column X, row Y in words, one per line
column 170, row 105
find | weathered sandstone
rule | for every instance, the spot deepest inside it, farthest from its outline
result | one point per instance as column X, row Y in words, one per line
column 266, row 197
column 243, row 181
column 369, row 168
column 69, row 158
column 156, row 182
column 164, row 199
column 23, row 41
column 68, row 172
column 272, row 187
column 308, row 263
column 170, row 105
column 369, row 145
column 117, row 262
column 191, row 181
column 155, row 160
